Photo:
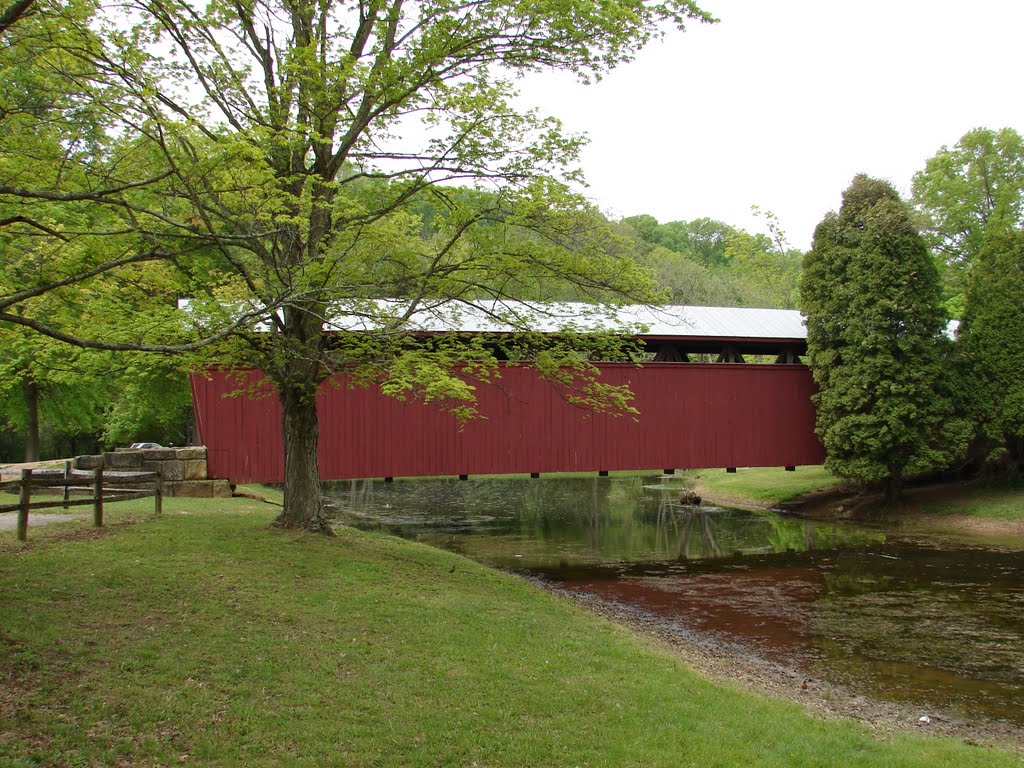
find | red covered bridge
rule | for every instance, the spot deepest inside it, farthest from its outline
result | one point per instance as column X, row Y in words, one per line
column 701, row 403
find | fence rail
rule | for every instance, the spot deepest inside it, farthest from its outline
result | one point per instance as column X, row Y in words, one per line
column 102, row 485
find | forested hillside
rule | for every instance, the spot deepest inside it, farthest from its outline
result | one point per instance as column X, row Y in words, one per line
column 711, row 263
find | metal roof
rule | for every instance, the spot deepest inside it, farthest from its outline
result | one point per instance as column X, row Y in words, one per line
column 641, row 320
column 673, row 321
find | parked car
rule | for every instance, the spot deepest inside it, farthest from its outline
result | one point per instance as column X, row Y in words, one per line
column 146, row 445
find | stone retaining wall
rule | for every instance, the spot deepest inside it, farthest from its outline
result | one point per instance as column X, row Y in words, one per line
column 183, row 469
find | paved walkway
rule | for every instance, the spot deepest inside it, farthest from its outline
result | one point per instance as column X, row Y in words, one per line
column 9, row 520
column 12, row 469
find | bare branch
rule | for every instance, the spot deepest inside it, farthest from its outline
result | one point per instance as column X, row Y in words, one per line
column 32, row 223
column 96, row 195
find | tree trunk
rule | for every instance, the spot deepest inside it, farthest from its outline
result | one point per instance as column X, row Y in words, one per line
column 297, row 369
column 31, row 392
column 303, row 504
column 893, row 487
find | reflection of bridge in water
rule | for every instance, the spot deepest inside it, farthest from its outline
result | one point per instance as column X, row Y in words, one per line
column 720, row 388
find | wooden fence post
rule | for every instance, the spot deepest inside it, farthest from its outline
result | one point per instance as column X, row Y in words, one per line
column 67, row 481
column 97, row 504
column 24, row 499
column 158, row 497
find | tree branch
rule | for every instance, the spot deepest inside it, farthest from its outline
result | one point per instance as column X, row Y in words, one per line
column 13, row 13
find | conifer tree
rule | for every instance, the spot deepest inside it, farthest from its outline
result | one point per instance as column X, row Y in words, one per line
column 876, row 344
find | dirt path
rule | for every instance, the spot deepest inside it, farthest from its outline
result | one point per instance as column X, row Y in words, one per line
column 9, row 520
column 13, row 468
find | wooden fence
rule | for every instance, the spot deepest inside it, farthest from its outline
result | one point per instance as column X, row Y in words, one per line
column 101, row 485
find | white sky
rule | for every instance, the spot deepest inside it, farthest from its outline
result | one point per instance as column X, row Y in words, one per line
column 783, row 102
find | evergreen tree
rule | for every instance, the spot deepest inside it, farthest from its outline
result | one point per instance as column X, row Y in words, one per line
column 992, row 339
column 876, row 344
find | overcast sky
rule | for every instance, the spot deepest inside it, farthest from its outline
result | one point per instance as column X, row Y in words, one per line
column 783, row 102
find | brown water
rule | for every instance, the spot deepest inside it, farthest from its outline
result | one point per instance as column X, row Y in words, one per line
column 933, row 623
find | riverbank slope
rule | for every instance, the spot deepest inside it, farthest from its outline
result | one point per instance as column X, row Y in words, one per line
column 205, row 637
column 986, row 511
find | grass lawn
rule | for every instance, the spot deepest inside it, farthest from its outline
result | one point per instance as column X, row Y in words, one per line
column 762, row 485
column 1002, row 501
column 207, row 638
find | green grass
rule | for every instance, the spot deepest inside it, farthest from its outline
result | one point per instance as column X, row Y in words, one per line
column 207, row 638
column 765, row 484
column 1003, row 501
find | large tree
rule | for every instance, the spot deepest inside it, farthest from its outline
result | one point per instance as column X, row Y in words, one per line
column 289, row 143
column 965, row 190
column 875, row 336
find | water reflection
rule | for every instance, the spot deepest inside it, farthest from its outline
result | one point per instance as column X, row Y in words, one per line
column 537, row 524
column 941, row 626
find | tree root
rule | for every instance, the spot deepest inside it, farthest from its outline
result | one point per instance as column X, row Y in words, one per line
column 313, row 525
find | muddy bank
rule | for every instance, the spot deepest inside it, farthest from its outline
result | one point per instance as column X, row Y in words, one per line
column 728, row 661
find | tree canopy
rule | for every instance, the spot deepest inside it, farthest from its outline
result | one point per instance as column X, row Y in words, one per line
column 962, row 192
column 275, row 158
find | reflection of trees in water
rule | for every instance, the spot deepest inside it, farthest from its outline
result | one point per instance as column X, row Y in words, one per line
column 603, row 514
column 613, row 518
column 683, row 531
column 552, row 508
column 360, row 493
column 688, row 532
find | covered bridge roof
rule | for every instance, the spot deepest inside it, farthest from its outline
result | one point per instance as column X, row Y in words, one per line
column 692, row 325
column 665, row 322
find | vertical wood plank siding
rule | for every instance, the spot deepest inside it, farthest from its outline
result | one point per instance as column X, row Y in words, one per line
column 691, row 415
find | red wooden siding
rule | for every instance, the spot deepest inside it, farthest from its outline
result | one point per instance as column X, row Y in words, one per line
column 691, row 415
